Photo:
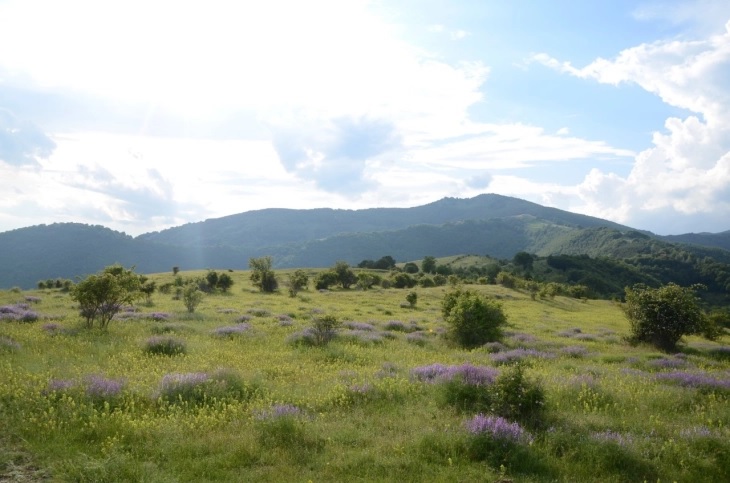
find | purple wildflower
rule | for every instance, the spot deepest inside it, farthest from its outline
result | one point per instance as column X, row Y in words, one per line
column 32, row 299
column 524, row 338
column 18, row 313
column 180, row 380
column 361, row 389
column 695, row 380
column 231, row 330
column 279, row 411
column 696, row 432
column 417, row 338
column 361, row 326
column 102, row 388
column 8, row 344
column 362, row 337
column 587, row 337
column 396, row 325
column 59, row 385
column 388, row 369
column 569, row 332
column 243, row 318
column 517, row 355
column 469, row 374
column 497, row 428
column 226, row 311
column 158, row 316
column 609, row 436
column 576, row 351
column 667, row 363
column 430, row 373
column 493, row 347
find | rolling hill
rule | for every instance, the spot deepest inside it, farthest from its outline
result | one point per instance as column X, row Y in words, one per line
column 492, row 225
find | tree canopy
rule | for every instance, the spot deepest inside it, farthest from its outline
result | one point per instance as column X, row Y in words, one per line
column 103, row 295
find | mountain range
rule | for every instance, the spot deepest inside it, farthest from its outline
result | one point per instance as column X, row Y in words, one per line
column 487, row 224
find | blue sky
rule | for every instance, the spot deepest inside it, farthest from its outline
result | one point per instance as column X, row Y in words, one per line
column 141, row 115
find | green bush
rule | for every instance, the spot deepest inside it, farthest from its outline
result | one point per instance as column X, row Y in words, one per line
column 192, row 296
column 102, row 296
column 473, row 319
column 517, row 397
column 662, row 316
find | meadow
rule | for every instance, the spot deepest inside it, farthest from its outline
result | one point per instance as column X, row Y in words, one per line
column 231, row 392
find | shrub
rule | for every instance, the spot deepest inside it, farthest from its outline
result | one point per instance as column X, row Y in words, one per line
column 101, row 389
column 199, row 387
column 192, row 296
column 262, row 275
column 517, row 397
column 231, row 330
column 18, row 313
column 473, row 319
column 325, row 280
column 467, row 387
column 297, row 281
column 412, row 298
column 662, row 316
column 497, row 428
column 168, row 346
column 324, row 329
column 103, row 295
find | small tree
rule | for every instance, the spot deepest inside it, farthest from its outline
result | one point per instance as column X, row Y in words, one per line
column 297, row 281
column 102, row 296
column 410, row 267
column 428, row 265
column 225, row 282
column 365, row 280
column 324, row 280
column 662, row 316
column 175, row 270
column 345, row 276
column 384, row 263
column 324, row 329
column 262, row 274
column 523, row 260
column 192, row 296
column 212, row 278
column 412, row 298
column 147, row 287
column 472, row 318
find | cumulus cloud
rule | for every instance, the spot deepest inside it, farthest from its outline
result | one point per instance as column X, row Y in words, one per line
column 334, row 154
column 685, row 173
column 21, row 142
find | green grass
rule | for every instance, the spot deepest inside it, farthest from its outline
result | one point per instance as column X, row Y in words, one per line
column 362, row 417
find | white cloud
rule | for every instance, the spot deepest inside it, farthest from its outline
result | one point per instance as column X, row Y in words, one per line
column 510, row 146
column 685, row 173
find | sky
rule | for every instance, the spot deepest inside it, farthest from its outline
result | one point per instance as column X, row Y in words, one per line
column 140, row 115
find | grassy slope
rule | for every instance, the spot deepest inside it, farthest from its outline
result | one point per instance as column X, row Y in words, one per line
column 397, row 430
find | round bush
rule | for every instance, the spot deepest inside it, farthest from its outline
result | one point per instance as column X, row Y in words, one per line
column 472, row 318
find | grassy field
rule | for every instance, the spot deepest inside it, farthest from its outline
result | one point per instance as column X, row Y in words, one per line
column 245, row 402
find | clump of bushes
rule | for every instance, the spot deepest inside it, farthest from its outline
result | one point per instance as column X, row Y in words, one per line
column 509, row 393
column 496, row 439
column 232, row 330
column 18, row 313
column 197, row 388
column 164, row 345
